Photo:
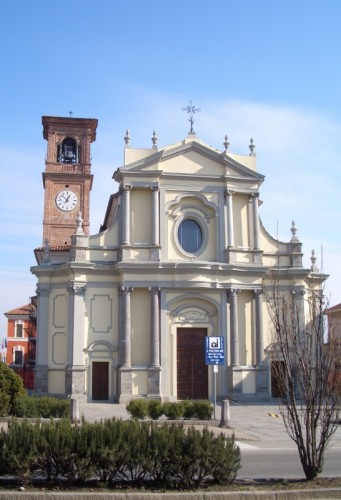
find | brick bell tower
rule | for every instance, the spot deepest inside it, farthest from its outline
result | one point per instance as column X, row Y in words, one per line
column 67, row 178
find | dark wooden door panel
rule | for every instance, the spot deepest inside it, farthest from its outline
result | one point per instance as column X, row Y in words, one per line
column 100, row 380
column 192, row 373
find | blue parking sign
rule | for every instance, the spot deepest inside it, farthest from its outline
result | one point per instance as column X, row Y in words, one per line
column 214, row 350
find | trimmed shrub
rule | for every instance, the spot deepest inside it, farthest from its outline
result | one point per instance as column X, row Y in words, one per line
column 202, row 410
column 155, row 409
column 138, row 408
column 188, row 409
column 173, row 411
column 40, row 407
column 11, row 386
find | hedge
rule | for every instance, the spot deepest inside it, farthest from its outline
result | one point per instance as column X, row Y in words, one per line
column 118, row 452
column 142, row 408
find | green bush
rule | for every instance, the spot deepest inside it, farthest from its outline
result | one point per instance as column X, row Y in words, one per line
column 141, row 408
column 173, row 411
column 155, row 409
column 17, row 447
column 202, row 410
column 11, row 386
column 120, row 452
column 188, row 409
column 138, row 408
column 40, row 407
column 201, row 456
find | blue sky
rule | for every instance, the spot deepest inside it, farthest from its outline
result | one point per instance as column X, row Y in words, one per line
column 267, row 69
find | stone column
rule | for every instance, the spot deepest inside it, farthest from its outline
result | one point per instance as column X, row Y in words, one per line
column 229, row 205
column 126, row 215
column 155, row 216
column 125, row 377
column 126, row 328
column 255, row 220
column 154, row 368
column 155, row 330
column 234, row 337
column 75, row 371
column 258, row 296
column 41, row 369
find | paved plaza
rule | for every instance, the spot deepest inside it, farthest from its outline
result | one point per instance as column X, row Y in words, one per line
column 254, row 425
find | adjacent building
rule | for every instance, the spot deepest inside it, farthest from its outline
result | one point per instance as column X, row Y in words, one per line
column 181, row 255
column 20, row 343
column 334, row 321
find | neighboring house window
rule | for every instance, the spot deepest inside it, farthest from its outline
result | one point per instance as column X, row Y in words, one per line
column 19, row 327
column 18, row 358
column 190, row 235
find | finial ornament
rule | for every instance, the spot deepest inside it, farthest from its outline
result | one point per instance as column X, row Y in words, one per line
column 252, row 147
column 79, row 221
column 191, row 109
column 226, row 143
column 70, row 113
column 155, row 140
column 313, row 259
column 293, row 231
column 127, row 138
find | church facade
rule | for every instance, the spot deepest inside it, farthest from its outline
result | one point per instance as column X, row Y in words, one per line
column 181, row 256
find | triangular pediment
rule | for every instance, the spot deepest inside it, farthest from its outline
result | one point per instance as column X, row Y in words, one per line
column 190, row 158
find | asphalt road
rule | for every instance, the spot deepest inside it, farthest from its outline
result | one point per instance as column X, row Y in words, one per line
column 274, row 463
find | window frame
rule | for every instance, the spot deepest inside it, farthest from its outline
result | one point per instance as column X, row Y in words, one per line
column 204, row 233
column 19, row 323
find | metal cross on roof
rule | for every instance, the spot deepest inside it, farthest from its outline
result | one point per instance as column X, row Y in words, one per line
column 70, row 113
column 191, row 109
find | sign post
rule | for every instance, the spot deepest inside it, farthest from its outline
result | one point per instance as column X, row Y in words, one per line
column 214, row 355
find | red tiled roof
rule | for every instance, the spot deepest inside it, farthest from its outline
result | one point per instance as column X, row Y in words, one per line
column 334, row 308
column 22, row 310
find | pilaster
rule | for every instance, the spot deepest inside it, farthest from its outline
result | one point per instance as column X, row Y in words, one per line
column 75, row 369
column 234, row 334
column 41, row 368
column 229, row 224
column 154, row 370
column 155, row 251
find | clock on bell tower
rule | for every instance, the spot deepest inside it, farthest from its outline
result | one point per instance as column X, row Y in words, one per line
column 67, row 178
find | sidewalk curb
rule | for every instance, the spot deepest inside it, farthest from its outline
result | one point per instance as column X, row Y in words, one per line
column 327, row 493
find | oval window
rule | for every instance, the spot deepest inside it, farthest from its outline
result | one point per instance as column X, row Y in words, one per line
column 190, row 235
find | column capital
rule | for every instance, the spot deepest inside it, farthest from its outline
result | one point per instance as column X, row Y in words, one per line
column 258, row 292
column 43, row 290
column 233, row 291
column 228, row 192
column 77, row 287
column 254, row 195
column 126, row 187
column 155, row 188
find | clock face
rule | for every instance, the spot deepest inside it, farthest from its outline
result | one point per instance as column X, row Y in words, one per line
column 66, row 200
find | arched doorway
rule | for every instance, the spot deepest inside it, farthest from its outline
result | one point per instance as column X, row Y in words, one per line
column 101, row 380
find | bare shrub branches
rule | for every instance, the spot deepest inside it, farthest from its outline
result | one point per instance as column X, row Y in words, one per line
column 306, row 368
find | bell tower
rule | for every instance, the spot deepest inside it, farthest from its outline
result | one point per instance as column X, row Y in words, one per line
column 67, row 178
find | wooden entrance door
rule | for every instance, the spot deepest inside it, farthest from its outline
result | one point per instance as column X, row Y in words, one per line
column 100, row 380
column 192, row 373
column 277, row 372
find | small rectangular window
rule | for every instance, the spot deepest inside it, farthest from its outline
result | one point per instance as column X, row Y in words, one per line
column 19, row 330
